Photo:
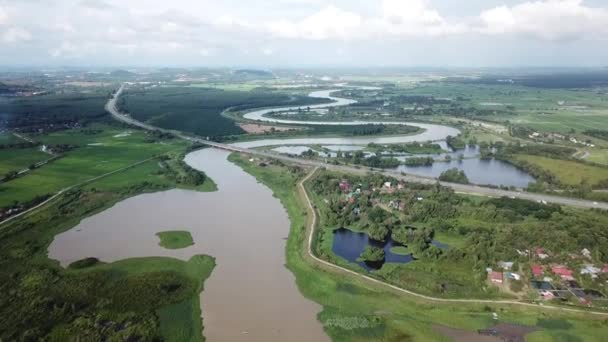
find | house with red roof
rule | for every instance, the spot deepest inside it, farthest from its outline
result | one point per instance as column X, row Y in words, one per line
column 496, row 277
column 563, row 271
column 605, row 269
column 537, row 270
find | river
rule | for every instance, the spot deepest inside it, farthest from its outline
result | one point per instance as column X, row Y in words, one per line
column 250, row 295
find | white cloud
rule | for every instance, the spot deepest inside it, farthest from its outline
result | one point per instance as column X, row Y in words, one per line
column 3, row 16
column 546, row 19
column 15, row 35
column 65, row 49
column 330, row 22
column 180, row 30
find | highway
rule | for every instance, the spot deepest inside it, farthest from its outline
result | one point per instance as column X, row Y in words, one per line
column 459, row 188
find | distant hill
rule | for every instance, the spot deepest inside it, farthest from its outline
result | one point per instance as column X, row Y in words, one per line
column 253, row 73
column 122, row 73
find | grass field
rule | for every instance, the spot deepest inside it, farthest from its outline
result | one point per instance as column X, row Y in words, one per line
column 9, row 138
column 545, row 110
column 19, row 159
column 355, row 310
column 568, row 172
column 599, row 156
column 99, row 153
column 175, row 239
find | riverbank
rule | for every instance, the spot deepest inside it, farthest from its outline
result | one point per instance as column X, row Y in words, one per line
column 354, row 308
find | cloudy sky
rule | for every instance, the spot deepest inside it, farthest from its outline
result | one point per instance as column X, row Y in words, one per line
column 295, row 33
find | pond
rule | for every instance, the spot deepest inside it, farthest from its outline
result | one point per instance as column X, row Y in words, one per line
column 481, row 172
column 349, row 245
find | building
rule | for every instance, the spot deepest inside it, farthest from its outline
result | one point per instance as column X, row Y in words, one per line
column 496, row 277
column 537, row 270
column 586, row 253
column 505, row 265
column 591, row 270
column 563, row 271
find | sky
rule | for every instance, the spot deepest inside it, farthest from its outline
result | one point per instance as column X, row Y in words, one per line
column 304, row 33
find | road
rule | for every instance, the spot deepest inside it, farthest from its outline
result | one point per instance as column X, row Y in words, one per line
column 459, row 188
column 311, row 229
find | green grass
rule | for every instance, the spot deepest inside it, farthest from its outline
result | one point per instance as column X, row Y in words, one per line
column 400, row 250
column 599, row 156
column 85, row 162
column 568, row 172
column 18, row 159
column 396, row 317
column 9, row 138
column 175, row 239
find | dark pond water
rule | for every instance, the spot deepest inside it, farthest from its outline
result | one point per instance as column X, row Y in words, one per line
column 482, row 172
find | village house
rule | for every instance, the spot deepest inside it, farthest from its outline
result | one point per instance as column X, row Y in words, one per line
column 586, row 253
column 537, row 270
column 563, row 271
column 505, row 265
column 591, row 270
column 496, row 277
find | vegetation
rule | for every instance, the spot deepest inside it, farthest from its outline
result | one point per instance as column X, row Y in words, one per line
column 372, row 254
column 198, row 110
column 483, row 232
column 454, row 176
column 126, row 300
column 456, row 143
column 354, row 309
column 54, row 111
column 359, row 158
column 419, row 161
column 568, row 173
column 175, row 239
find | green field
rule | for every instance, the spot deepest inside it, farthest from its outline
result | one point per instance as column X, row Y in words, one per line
column 9, row 138
column 19, row 159
column 355, row 310
column 568, row 172
column 99, row 153
column 175, row 239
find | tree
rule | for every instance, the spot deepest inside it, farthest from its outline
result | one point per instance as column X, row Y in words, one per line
column 372, row 254
column 454, row 176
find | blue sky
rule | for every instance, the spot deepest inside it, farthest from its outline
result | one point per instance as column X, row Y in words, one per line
column 295, row 33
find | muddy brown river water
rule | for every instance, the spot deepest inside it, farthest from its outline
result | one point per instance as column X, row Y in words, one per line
column 250, row 295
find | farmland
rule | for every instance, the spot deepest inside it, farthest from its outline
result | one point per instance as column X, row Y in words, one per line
column 101, row 153
column 19, row 159
column 568, row 172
